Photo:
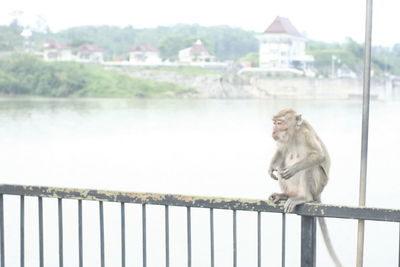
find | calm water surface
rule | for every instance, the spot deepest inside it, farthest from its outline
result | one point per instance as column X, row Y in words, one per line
column 192, row 147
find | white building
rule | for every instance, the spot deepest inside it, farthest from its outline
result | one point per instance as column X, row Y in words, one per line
column 144, row 54
column 196, row 53
column 282, row 48
column 89, row 53
column 54, row 51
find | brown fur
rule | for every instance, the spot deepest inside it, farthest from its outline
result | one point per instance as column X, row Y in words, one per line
column 301, row 165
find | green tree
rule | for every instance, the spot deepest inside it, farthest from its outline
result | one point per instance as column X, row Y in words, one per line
column 253, row 58
column 171, row 45
column 27, row 75
column 10, row 38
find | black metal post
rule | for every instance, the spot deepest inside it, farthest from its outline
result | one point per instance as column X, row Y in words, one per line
column 259, row 239
column 123, row 249
column 144, row 235
column 2, row 256
column 308, row 241
column 283, row 259
column 40, row 215
column 101, row 215
column 212, row 237
column 166, row 236
column 22, row 230
column 234, row 239
column 80, row 233
column 60, row 234
column 189, row 236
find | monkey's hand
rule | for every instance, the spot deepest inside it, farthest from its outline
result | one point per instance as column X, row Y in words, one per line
column 273, row 173
column 276, row 197
column 288, row 172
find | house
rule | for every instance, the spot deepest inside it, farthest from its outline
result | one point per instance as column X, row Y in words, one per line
column 144, row 54
column 282, row 47
column 196, row 53
column 89, row 53
column 54, row 51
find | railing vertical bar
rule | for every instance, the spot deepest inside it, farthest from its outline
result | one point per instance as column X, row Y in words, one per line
column 123, row 250
column 212, row 236
column 2, row 256
column 101, row 215
column 60, row 234
column 399, row 245
column 234, row 239
column 22, row 230
column 144, row 235
column 259, row 239
column 40, row 215
column 189, row 236
column 283, row 260
column 166, row 236
column 80, row 233
column 308, row 241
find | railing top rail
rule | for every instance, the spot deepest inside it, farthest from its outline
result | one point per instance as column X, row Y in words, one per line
column 309, row 209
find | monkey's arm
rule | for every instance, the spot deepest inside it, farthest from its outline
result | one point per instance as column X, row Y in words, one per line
column 315, row 155
column 276, row 162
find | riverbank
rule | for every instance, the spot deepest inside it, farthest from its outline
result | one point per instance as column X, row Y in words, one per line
column 25, row 75
column 219, row 85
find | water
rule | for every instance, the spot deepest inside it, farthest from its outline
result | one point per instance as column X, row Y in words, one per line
column 192, row 147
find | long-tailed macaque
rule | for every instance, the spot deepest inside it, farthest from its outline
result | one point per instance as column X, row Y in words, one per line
column 301, row 165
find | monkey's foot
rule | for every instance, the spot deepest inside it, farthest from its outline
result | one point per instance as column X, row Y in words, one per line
column 291, row 203
column 276, row 197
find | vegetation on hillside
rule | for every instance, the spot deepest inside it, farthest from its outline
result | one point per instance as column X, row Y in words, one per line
column 350, row 54
column 224, row 42
column 10, row 38
column 27, row 75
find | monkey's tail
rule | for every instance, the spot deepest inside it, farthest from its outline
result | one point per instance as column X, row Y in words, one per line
column 328, row 243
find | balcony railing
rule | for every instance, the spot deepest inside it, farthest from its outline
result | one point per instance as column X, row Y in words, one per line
column 309, row 212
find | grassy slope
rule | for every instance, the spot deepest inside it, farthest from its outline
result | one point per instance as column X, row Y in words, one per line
column 26, row 75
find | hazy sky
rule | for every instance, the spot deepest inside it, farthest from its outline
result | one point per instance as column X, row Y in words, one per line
column 327, row 20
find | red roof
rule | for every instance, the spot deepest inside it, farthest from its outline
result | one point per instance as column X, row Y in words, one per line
column 144, row 48
column 89, row 47
column 52, row 44
column 282, row 25
column 198, row 48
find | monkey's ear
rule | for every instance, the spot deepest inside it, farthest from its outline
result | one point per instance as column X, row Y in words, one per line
column 299, row 120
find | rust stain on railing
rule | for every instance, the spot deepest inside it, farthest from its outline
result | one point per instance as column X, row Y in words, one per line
column 309, row 209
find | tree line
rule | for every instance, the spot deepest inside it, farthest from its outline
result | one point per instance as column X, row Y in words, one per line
column 224, row 42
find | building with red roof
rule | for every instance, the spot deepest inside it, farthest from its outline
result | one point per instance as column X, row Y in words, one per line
column 283, row 47
column 196, row 53
column 54, row 51
column 144, row 54
column 89, row 53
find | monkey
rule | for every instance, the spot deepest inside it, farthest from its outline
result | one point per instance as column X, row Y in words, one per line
column 301, row 162
column 301, row 165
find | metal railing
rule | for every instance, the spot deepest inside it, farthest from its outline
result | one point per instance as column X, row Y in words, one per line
column 309, row 212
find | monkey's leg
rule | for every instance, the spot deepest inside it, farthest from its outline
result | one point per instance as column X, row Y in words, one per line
column 292, row 202
column 276, row 197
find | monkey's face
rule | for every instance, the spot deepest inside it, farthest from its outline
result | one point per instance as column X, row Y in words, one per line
column 280, row 131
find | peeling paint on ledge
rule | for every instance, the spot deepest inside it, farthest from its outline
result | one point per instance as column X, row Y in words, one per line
column 309, row 209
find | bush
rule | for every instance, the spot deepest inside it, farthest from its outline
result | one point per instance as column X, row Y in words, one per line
column 23, row 74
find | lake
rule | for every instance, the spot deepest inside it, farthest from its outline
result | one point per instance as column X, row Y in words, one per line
column 204, row 147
